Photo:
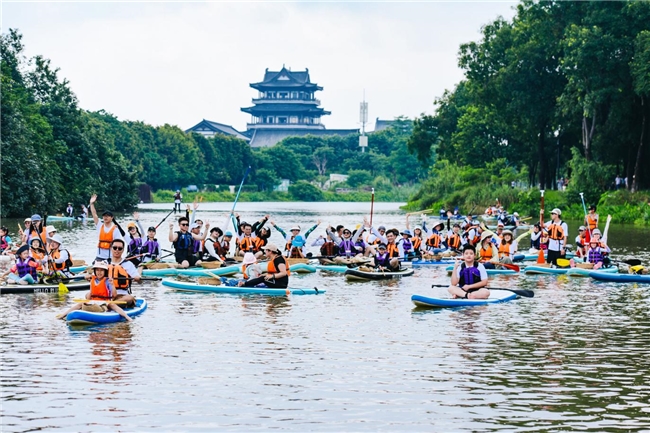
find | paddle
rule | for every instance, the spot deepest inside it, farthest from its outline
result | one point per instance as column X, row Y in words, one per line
column 582, row 197
column 521, row 292
column 508, row 266
column 372, row 205
column 163, row 220
column 62, row 288
column 541, row 214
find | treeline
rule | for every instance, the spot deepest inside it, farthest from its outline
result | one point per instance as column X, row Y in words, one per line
column 54, row 152
column 563, row 86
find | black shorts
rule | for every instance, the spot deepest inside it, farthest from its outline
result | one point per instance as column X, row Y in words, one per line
column 190, row 259
column 552, row 256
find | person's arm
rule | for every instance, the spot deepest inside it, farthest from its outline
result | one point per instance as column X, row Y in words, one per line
column 282, row 270
column 131, row 270
column 172, row 235
column 454, row 273
column 136, row 216
column 209, row 246
column 312, row 229
column 279, row 229
column 514, row 247
column 92, row 208
column 408, row 227
column 63, row 256
column 318, row 242
column 495, row 254
column 335, row 238
column 378, row 235
column 356, row 236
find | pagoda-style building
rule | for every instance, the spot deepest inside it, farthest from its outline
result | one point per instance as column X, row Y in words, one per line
column 285, row 100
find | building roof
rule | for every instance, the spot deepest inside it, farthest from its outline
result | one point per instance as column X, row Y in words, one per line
column 285, row 108
column 267, row 138
column 383, row 124
column 217, row 128
column 286, row 78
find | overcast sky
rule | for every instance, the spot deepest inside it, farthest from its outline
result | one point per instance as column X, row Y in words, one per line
column 178, row 63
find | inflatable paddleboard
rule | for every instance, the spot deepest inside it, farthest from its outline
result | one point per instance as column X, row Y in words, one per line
column 496, row 296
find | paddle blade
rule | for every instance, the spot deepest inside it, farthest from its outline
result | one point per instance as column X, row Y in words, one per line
column 563, row 263
column 540, row 257
column 523, row 292
column 632, row 262
column 63, row 288
column 511, row 267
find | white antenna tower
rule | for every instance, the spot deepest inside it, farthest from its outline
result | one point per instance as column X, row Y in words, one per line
column 363, row 118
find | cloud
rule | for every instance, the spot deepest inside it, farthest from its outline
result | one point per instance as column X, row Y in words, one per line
column 181, row 62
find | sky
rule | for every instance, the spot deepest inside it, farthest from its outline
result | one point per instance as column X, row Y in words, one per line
column 181, row 62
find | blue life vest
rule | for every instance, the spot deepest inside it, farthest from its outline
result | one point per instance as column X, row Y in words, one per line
column 184, row 242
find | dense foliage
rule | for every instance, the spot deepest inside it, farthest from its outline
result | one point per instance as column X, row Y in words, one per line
column 560, row 90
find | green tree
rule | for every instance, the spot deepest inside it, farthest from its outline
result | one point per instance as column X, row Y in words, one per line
column 305, row 191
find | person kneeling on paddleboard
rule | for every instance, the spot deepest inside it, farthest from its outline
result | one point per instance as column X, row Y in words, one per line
column 277, row 275
column 469, row 277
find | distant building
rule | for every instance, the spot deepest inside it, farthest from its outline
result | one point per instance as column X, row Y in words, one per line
column 286, row 107
column 283, row 186
column 380, row 125
column 209, row 128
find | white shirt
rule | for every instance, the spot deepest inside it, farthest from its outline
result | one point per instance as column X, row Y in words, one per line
column 105, row 253
column 553, row 244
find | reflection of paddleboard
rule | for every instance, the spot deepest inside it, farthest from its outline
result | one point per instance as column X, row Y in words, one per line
column 355, row 274
column 496, row 296
column 80, row 317
column 207, row 288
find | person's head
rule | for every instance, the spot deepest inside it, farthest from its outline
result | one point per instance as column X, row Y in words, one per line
column 381, row 230
column 592, row 208
column 594, row 242
column 28, row 222
column 227, row 236
column 50, row 230
column 184, row 224
column 69, row 204
column 339, row 228
column 295, row 230
column 555, row 214
column 271, row 250
column 596, row 234
column 151, row 232
column 456, row 228
column 198, row 223
column 100, row 269
column 131, row 227
column 23, row 252
column 249, row 259
column 298, row 241
column 3, row 231
column 469, row 253
column 246, row 228
column 347, row 233
column 177, row 191
column 417, row 232
column 537, row 227
column 507, row 236
column 582, row 231
column 55, row 241
column 381, row 248
column 36, row 220
column 439, row 226
column 107, row 216
column 265, row 232
column 117, row 248
column 406, row 234
column 500, row 229
column 215, row 232
column 35, row 244
column 391, row 235
column 196, row 229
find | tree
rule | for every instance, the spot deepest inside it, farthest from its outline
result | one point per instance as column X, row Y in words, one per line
column 304, row 191
column 640, row 69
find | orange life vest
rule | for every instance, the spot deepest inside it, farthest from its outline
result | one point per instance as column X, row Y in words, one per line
column 328, row 249
column 271, row 269
column 393, row 251
column 106, row 237
column 417, row 242
column 555, row 232
column 249, row 242
column 54, row 255
column 592, row 222
column 99, row 289
column 434, row 241
column 121, row 278
column 486, row 255
column 454, row 241
column 38, row 256
column 504, row 250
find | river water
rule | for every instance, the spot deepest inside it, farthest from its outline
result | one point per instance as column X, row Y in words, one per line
column 358, row 358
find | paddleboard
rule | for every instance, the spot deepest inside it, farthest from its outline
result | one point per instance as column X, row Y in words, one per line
column 620, row 278
column 80, row 317
column 355, row 274
column 44, row 288
column 496, row 296
column 580, row 272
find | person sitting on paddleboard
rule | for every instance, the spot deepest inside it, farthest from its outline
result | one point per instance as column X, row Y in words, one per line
column 488, row 254
column 581, row 242
column 101, row 289
column 417, row 238
column 596, row 254
column 24, row 271
column 394, row 249
column 248, row 242
column 250, row 268
column 183, row 242
column 197, row 244
column 454, row 240
column 121, row 273
column 60, row 260
column 407, row 245
column 469, row 277
column 212, row 250
column 151, row 248
column 514, row 220
column 295, row 251
column 5, row 239
column 536, row 238
column 294, row 231
column 507, row 247
column 434, row 242
column 382, row 259
column 277, row 274
column 597, row 235
column 134, row 238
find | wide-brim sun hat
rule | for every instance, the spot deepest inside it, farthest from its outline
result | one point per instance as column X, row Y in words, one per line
column 298, row 241
column 407, row 233
column 22, row 250
column 486, row 234
column 271, row 247
column 50, row 229
column 27, row 220
column 100, row 265
column 55, row 238
column 36, row 217
column 249, row 258
column 294, row 228
column 507, row 232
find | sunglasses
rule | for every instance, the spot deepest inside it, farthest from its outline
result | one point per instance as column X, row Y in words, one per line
column 184, row 225
column 347, row 233
column 118, row 248
column 581, row 230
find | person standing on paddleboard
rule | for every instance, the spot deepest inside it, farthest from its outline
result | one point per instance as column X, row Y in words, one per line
column 558, row 233
column 107, row 231
column 469, row 277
